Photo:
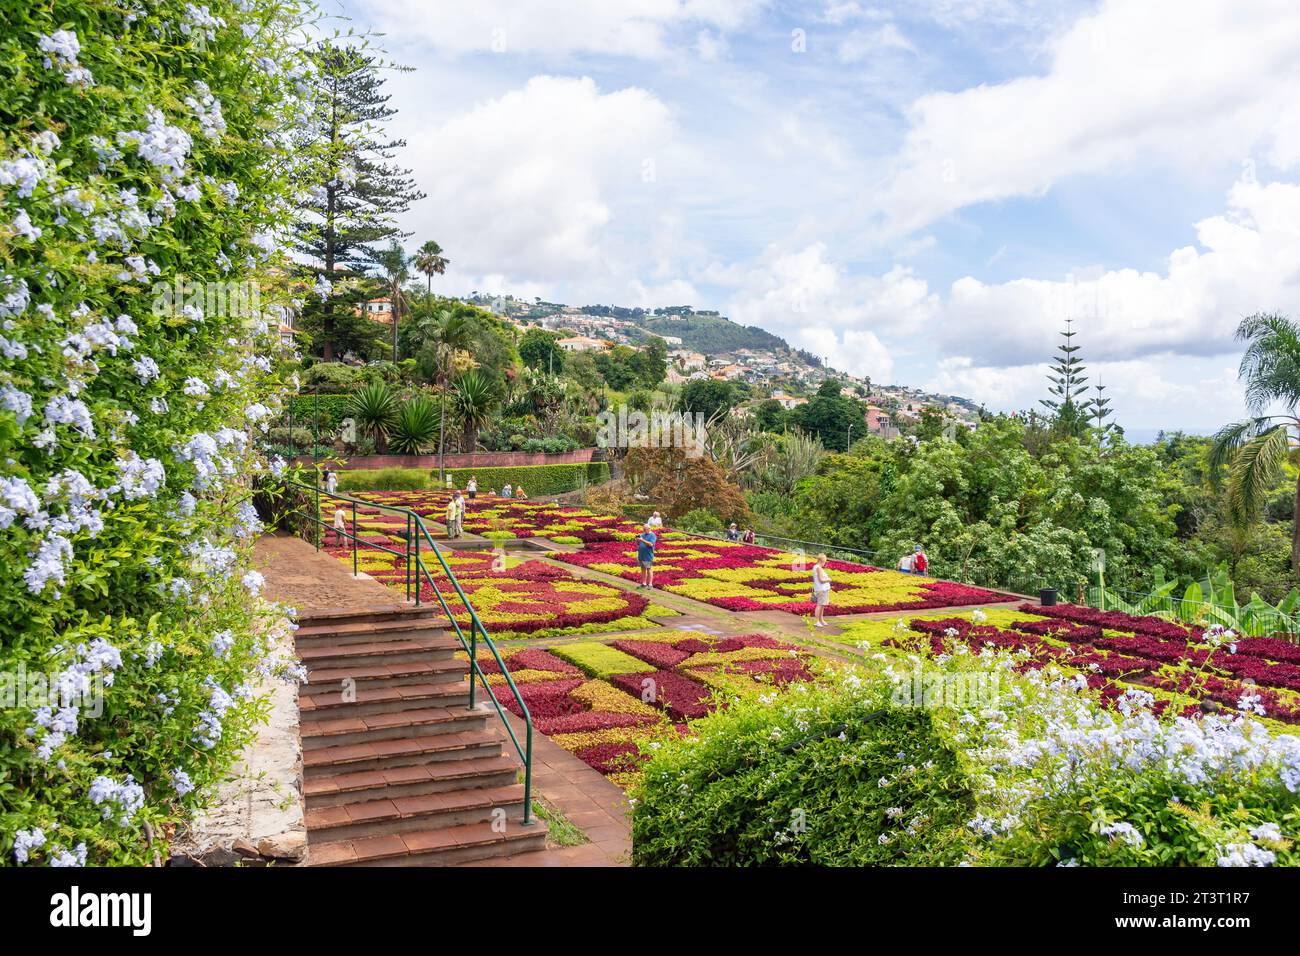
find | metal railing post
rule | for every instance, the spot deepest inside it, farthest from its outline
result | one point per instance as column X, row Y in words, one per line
column 354, row 539
column 473, row 660
column 416, row 536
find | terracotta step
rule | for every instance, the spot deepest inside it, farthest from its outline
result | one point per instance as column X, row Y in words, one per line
column 368, row 632
column 420, row 648
column 402, row 752
column 335, row 789
column 361, row 615
column 437, row 847
column 451, row 808
column 369, row 676
column 318, row 703
column 348, row 728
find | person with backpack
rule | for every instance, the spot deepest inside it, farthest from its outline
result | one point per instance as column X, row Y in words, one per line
column 920, row 563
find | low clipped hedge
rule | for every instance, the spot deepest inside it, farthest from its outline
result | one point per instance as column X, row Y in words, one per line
column 322, row 412
column 536, row 479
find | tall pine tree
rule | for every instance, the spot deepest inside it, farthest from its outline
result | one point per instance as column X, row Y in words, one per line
column 1070, row 411
column 344, row 223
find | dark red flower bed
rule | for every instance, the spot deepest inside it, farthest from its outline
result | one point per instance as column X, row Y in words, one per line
column 681, row 697
column 659, row 654
column 611, row 758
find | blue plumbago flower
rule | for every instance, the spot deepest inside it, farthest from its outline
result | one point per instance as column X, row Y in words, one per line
column 27, row 840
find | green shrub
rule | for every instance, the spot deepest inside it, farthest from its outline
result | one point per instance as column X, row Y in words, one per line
column 285, row 437
column 812, row 776
column 600, row 660
column 128, row 412
column 699, row 519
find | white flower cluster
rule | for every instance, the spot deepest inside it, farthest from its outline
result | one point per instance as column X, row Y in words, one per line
column 61, row 49
column 119, row 801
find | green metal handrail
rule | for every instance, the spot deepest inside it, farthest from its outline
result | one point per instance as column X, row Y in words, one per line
column 415, row 566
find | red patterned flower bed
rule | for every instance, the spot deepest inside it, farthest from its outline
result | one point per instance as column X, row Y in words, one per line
column 742, row 577
column 649, row 689
column 1115, row 649
column 511, row 596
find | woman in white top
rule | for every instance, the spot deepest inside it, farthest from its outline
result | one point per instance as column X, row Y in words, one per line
column 331, row 481
column 472, row 487
column 821, row 584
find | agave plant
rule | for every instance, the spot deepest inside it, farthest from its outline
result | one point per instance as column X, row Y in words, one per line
column 416, row 428
column 375, row 410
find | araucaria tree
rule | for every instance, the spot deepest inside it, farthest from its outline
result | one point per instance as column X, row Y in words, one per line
column 1070, row 411
column 346, row 221
column 1255, row 450
column 143, row 151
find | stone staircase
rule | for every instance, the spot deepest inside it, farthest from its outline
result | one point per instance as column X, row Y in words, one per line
column 397, row 770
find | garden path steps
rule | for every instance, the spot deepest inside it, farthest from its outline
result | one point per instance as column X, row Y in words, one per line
column 397, row 769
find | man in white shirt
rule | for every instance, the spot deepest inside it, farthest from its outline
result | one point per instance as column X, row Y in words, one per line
column 655, row 521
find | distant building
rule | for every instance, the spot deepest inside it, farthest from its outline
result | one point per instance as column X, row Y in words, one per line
column 788, row 401
column 580, row 343
column 380, row 309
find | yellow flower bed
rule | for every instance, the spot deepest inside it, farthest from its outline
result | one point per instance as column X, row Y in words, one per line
column 600, row 695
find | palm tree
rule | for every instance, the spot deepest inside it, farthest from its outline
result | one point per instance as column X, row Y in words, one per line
column 475, row 399
column 1256, row 448
column 397, row 270
column 445, row 333
column 430, row 260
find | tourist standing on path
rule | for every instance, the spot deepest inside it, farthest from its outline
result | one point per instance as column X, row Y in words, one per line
column 733, row 533
column 331, row 481
column 460, row 514
column 821, row 587
column 748, row 536
column 920, row 563
column 645, row 556
column 654, row 521
column 472, row 487
column 520, row 494
column 507, row 491
column 453, row 510
column 905, row 564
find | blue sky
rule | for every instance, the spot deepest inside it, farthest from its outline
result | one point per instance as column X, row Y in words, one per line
column 921, row 191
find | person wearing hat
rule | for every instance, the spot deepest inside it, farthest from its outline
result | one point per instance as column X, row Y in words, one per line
column 920, row 563
column 733, row 533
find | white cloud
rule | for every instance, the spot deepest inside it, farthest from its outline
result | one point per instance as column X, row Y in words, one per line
column 530, row 184
column 1186, row 83
column 818, row 305
column 637, row 28
column 863, row 44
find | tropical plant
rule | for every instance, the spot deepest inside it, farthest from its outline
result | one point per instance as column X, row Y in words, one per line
column 430, row 261
column 445, row 333
column 396, row 268
column 416, row 428
column 1210, row 601
column 475, row 398
column 375, row 410
column 1256, row 449
column 796, row 457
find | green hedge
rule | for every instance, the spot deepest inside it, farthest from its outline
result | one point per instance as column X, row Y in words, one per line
column 536, row 479
column 331, row 409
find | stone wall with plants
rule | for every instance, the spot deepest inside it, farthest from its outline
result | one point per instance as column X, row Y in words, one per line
column 142, row 147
